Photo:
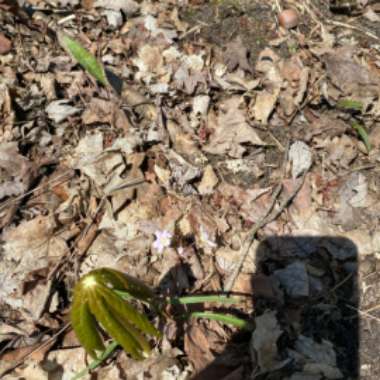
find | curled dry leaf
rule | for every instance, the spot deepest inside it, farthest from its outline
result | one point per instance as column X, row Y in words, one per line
column 266, row 99
column 264, row 105
column 60, row 110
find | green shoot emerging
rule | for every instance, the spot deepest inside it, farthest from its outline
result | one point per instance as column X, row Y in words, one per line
column 363, row 135
column 83, row 57
column 96, row 305
column 101, row 301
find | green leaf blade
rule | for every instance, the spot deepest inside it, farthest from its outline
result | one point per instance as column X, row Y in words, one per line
column 139, row 338
column 363, row 135
column 128, row 312
column 83, row 57
column 84, row 324
column 224, row 318
column 350, row 105
column 133, row 286
column 186, row 300
column 113, row 327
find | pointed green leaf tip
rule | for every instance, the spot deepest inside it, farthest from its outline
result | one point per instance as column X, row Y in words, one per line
column 363, row 135
column 97, row 306
column 83, row 57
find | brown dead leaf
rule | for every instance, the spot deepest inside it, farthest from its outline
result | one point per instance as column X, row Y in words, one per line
column 296, row 76
column 7, row 115
column 226, row 259
column 230, row 129
column 149, row 62
column 15, row 171
column 341, row 151
column 27, row 247
column 87, row 4
column 264, row 341
column 259, row 286
column 204, row 226
column 236, row 55
column 97, row 111
column 243, row 284
column 67, row 361
column 265, row 104
column 208, row 182
column 250, row 203
column 184, row 143
column 349, row 76
column 163, row 365
column 197, row 346
column 5, row 44
column 266, row 99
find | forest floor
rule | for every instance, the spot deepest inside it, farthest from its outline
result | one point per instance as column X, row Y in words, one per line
column 230, row 154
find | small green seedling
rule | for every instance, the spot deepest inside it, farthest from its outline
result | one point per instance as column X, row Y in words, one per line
column 101, row 304
column 363, row 135
column 95, row 302
column 350, row 105
column 83, row 57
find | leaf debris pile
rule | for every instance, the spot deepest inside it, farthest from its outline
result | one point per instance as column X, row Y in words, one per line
column 162, row 169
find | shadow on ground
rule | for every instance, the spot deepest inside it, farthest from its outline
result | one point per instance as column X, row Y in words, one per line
column 310, row 285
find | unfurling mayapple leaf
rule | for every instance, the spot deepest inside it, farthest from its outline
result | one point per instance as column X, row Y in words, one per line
column 96, row 305
column 83, row 57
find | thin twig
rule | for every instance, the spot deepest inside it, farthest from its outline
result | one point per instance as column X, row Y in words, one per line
column 268, row 218
column 339, row 284
column 308, row 5
column 65, row 176
column 373, row 308
column 195, row 28
column 40, row 347
column 352, row 27
column 251, row 237
column 364, row 313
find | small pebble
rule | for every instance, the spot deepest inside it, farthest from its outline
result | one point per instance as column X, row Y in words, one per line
column 288, row 18
column 5, row 44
